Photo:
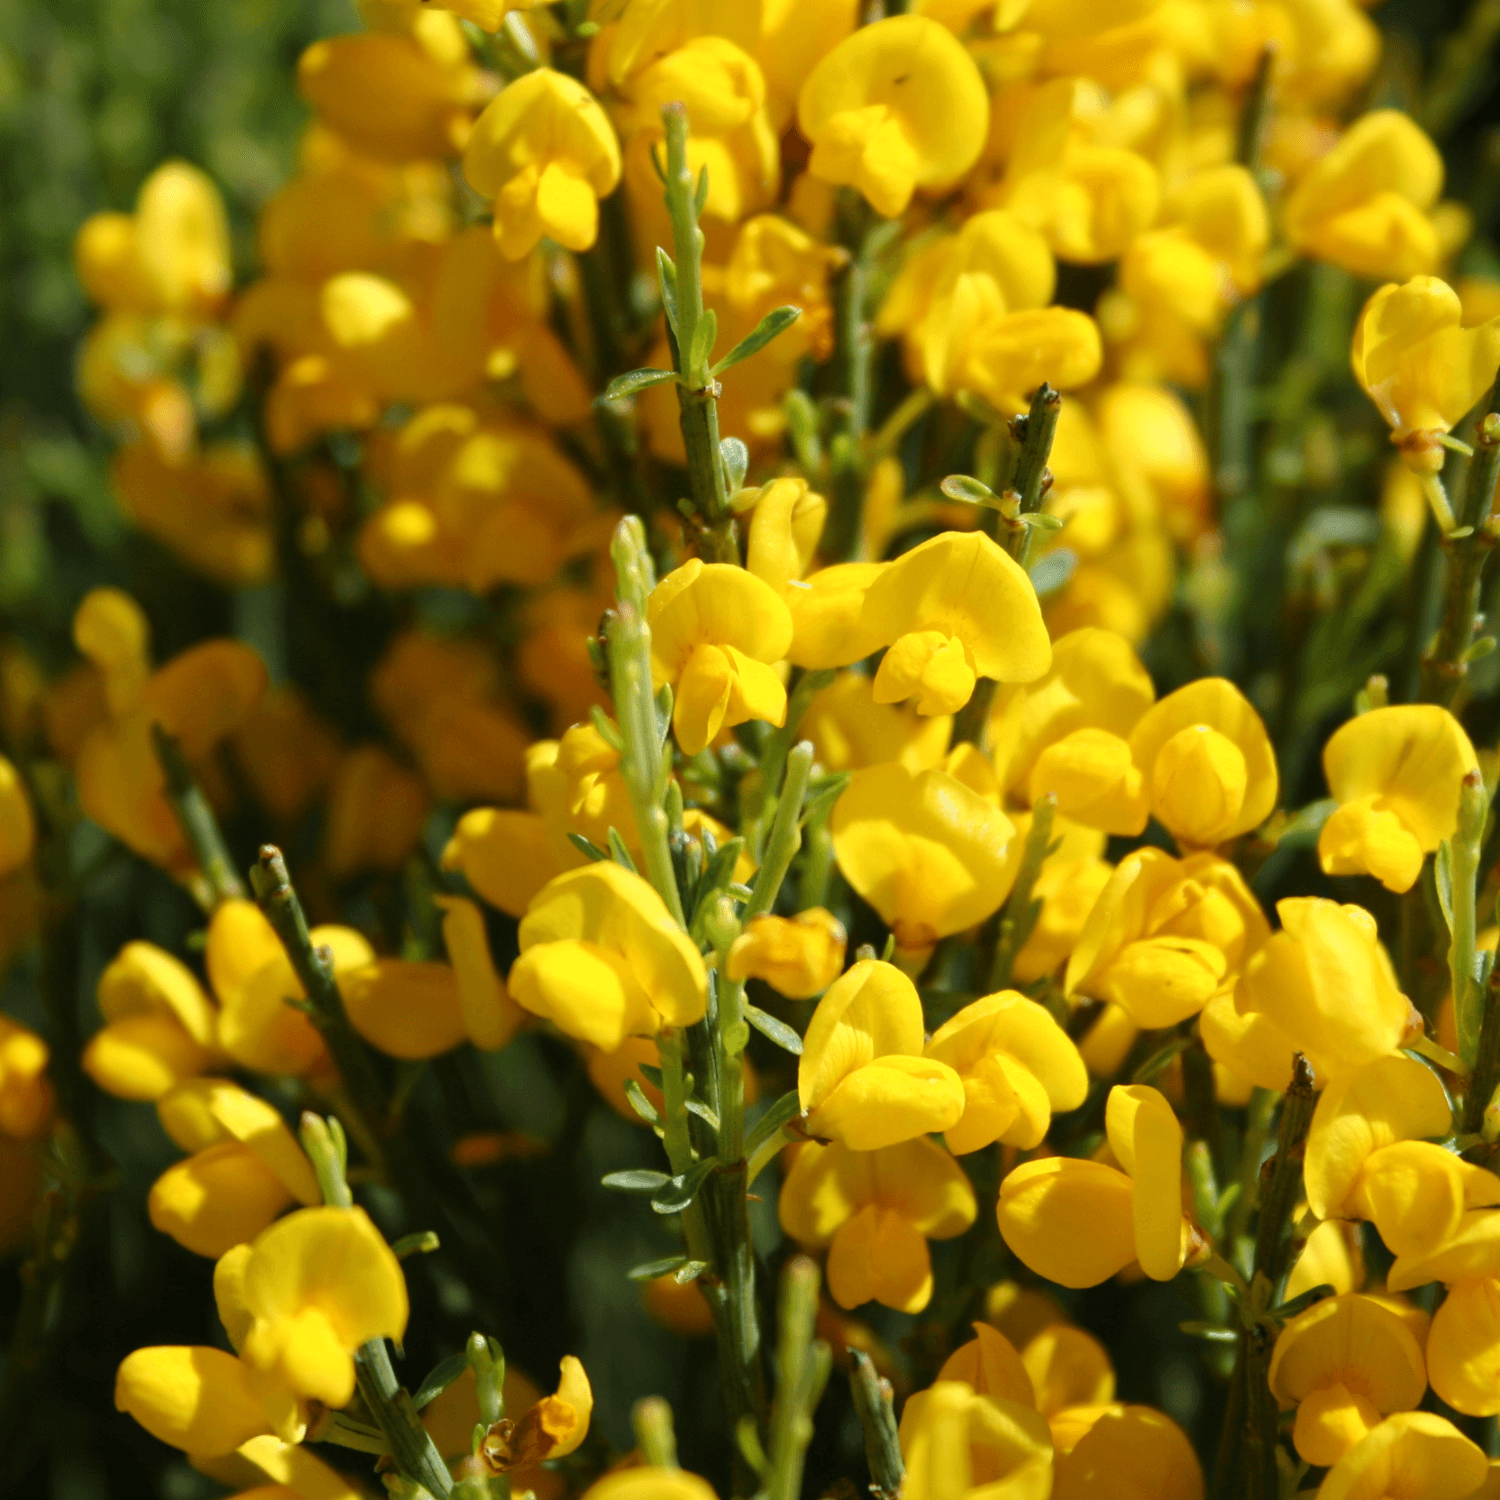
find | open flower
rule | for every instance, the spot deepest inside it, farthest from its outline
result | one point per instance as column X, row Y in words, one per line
column 863, row 1079
column 546, row 153
column 1412, row 1455
column 715, row 629
column 1365, row 205
column 1166, row 936
column 1397, row 774
column 1017, row 1066
column 1344, row 1364
column 1207, row 762
column 926, row 851
column 895, row 106
column 952, row 610
column 201, row 1400
column 963, row 1446
column 876, row 1210
column 1123, row 1450
column 1421, row 366
column 1079, row 1222
column 798, row 956
column 602, row 959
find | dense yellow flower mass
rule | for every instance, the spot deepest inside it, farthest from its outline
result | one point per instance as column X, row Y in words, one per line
column 825, row 580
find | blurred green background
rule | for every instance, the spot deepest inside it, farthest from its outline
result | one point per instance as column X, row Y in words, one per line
column 93, row 94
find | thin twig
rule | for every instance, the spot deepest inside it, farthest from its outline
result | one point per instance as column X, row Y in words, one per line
column 199, row 825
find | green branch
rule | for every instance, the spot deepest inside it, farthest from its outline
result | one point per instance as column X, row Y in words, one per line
column 199, row 825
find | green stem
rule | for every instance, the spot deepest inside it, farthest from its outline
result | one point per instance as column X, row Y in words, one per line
column 697, row 390
column 874, row 1405
column 802, row 1365
column 1467, row 549
column 414, row 1452
column 654, row 1434
column 199, row 825
column 1468, row 1003
column 1486, row 1076
column 854, row 351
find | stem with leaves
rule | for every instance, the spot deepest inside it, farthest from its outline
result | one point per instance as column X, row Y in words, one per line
column 802, row 1365
column 415, row 1454
column 854, row 351
column 1021, row 909
column 874, row 1404
column 1467, row 548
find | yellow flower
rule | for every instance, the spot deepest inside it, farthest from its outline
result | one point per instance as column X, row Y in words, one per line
column 953, row 610
column 1207, row 761
column 1079, row 1222
column 17, row 826
column 1071, row 882
column 1326, row 982
column 798, row 956
column 1067, row 1367
column 1397, row 774
column 1017, row 1066
column 25, row 1092
column 896, row 106
column 876, row 1210
column 490, row 1016
column 545, row 152
column 1089, row 198
column 376, row 811
column 602, row 959
column 648, row 1483
column 1123, row 1450
column 965, row 1446
column 1344, row 1364
column 1166, row 936
column 924, row 850
column 1420, row 366
column 1413, row 1455
column 160, row 1028
column 246, row 1167
column 1008, row 357
column 1365, row 205
column 1206, row 253
column 552, row 1427
column 406, row 1009
column 1068, row 732
column 785, row 525
column 714, row 630
column 862, row 1079
column 200, row 1400
column 316, row 1286
column 850, row 731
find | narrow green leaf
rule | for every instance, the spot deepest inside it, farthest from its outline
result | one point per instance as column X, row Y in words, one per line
column 677, row 1193
column 1210, row 1332
column 651, row 1073
column 609, row 731
column 1442, row 876
column 666, row 275
column 782, row 1112
column 704, row 1113
column 964, row 487
column 619, row 852
column 637, row 1180
column 589, row 847
column 654, row 1268
column 705, row 332
column 778, row 1031
column 439, row 1378
column 736, row 459
column 636, row 380
column 778, row 320
column 640, row 1103
column 1052, row 570
column 689, row 1270
column 700, row 193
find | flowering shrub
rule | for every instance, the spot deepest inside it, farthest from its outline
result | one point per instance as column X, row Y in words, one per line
column 853, row 702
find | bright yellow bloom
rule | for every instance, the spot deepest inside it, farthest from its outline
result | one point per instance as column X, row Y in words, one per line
column 798, row 956
column 1166, row 936
column 1397, row 774
column 1017, row 1066
column 200, row 1400
column 647, row 1483
column 1129, row 1451
column 602, row 958
column 1205, row 254
column 25, row 1092
column 316, row 1286
column 160, row 1028
column 17, row 826
column 714, row 631
column 851, row 732
column 1326, row 982
column 1365, row 205
column 1413, row 1455
column 876, row 1210
column 406, row 1009
column 551, row 1427
column 377, row 808
column 1068, row 1367
column 1207, row 761
column 1079, row 1222
column 952, row 610
column 927, row 852
column 546, row 153
column 1089, row 198
column 785, row 525
column 862, row 1079
column 490, row 1016
column 1068, row 732
column 1420, row 366
column 988, row 1364
column 1344, row 1364
column 896, row 106
column 245, row 1169
column 963, row 1445
column 1071, row 882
